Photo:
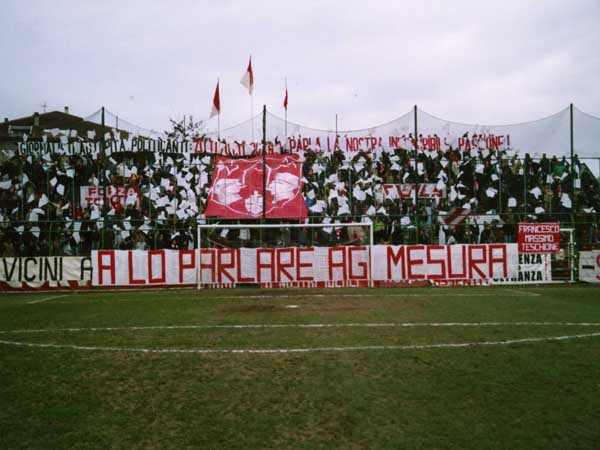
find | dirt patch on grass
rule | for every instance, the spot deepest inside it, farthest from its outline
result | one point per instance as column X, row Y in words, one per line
column 255, row 308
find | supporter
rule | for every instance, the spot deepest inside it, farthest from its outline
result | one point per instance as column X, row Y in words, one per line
column 41, row 204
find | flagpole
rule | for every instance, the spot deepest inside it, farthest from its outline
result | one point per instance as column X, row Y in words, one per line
column 286, row 110
column 219, row 115
column 251, row 99
column 264, row 161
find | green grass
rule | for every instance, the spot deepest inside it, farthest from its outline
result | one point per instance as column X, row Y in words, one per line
column 528, row 395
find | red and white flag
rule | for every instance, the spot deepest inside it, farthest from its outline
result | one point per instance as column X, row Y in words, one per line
column 248, row 78
column 216, row 107
column 237, row 188
column 285, row 100
column 456, row 216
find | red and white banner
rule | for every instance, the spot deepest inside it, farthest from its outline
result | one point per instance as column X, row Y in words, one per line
column 465, row 265
column 407, row 190
column 539, row 237
column 45, row 273
column 589, row 266
column 321, row 266
column 94, row 195
column 237, row 188
column 143, row 268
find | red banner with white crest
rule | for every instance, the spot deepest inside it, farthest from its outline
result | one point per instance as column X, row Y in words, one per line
column 237, row 188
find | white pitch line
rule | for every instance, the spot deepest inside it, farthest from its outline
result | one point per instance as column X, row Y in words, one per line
column 285, row 297
column 47, row 298
column 304, row 350
column 517, row 291
column 306, row 325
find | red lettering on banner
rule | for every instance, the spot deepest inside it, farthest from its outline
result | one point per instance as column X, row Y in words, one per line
column 182, row 265
column 211, row 266
column 440, row 262
column 222, row 266
column 300, row 264
column 462, row 274
column 267, row 265
column 498, row 260
column 410, row 262
column 241, row 279
column 110, row 266
column 393, row 259
column 282, row 266
column 130, row 269
column 162, row 278
column 361, row 264
column 473, row 261
column 341, row 264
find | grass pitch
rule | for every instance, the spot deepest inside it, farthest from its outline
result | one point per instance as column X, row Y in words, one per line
column 421, row 368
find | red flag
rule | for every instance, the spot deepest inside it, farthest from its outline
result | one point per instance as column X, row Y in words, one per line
column 216, row 108
column 248, row 78
column 285, row 100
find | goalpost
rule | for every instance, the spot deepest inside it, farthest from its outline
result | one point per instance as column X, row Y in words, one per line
column 290, row 254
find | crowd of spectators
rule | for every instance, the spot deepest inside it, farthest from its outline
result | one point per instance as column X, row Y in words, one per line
column 479, row 197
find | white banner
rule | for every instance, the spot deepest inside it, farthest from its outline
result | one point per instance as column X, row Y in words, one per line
column 41, row 273
column 321, row 266
column 550, row 135
column 140, row 268
column 94, row 195
column 589, row 266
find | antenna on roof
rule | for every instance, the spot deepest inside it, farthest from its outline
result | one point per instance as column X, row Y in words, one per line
column 44, row 105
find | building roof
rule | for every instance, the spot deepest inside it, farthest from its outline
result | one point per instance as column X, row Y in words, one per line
column 53, row 120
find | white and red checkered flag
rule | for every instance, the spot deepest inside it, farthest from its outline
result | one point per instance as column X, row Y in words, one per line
column 216, row 107
column 248, row 78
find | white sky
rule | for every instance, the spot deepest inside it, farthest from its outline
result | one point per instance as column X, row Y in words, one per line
column 467, row 61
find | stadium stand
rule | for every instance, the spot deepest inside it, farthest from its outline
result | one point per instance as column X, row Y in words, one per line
column 486, row 194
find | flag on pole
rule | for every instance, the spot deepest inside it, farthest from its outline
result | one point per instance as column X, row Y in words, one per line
column 216, row 107
column 248, row 78
column 285, row 100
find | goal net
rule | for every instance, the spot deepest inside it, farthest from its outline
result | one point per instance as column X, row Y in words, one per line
column 285, row 255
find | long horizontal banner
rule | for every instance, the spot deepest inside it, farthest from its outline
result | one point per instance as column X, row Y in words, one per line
column 45, row 273
column 325, row 143
column 321, row 266
column 550, row 135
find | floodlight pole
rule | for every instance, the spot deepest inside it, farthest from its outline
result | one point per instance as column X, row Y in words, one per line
column 103, row 178
column 574, row 206
column 264, row 157
column 416, row 145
